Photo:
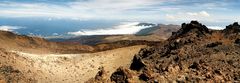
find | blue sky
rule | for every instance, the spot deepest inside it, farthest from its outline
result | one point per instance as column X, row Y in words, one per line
column 169, row 11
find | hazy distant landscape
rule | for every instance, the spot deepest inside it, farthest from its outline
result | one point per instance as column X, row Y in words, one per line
column 119, row 41
column 51, row 27
column 46, row 27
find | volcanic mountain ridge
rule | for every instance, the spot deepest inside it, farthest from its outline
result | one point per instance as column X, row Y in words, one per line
column 12, row 41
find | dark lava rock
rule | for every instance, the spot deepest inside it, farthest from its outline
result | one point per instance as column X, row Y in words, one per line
column 187, row 56
column 137, row 63
column 189, row 48
column 237, row 41
column 214, row 44
column 233, row 28
column 144, row 77
column 194, row 27
column 120, row 76
column 195, row 65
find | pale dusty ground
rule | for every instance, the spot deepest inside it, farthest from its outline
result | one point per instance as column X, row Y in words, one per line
column 69, row 68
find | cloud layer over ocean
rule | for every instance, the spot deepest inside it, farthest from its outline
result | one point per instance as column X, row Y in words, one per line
column 124, row 28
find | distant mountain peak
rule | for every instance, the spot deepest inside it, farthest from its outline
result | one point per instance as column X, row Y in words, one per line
column 146, row 24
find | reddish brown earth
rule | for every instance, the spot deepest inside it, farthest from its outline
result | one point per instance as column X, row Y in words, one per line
column 9, row 40
column 192, row 54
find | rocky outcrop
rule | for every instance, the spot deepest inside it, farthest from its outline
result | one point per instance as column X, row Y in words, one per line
column 192, row 54
column 233, row 28
column 193, row 29
column 120, row 76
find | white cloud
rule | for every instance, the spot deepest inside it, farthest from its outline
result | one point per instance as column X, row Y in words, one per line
column 133, row 10
column 87, row 9
column 168, row 16
column 10, row 28
column 192, row 14
column 204, row 13
column 93, row 9
column 125, row 28
column 186, row 16
column 55, row 34
column 40, row 10
column 201, row 13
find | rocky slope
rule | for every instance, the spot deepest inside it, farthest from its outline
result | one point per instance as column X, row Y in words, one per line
column 192, row 54
column 160, row 30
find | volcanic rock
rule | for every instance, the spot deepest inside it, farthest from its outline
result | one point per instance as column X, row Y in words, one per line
column 194, row 28
column 192, row 54
column 237, row 41
column 121, row 75
column 214, row 44
column 233, row 28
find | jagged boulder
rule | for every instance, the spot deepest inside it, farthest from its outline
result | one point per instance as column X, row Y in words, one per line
column 122, row 75
column 137, row 63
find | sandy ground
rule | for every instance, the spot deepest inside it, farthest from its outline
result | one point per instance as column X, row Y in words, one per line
column 70, row 68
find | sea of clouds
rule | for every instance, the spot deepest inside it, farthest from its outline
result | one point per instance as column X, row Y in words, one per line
column 123, row 28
